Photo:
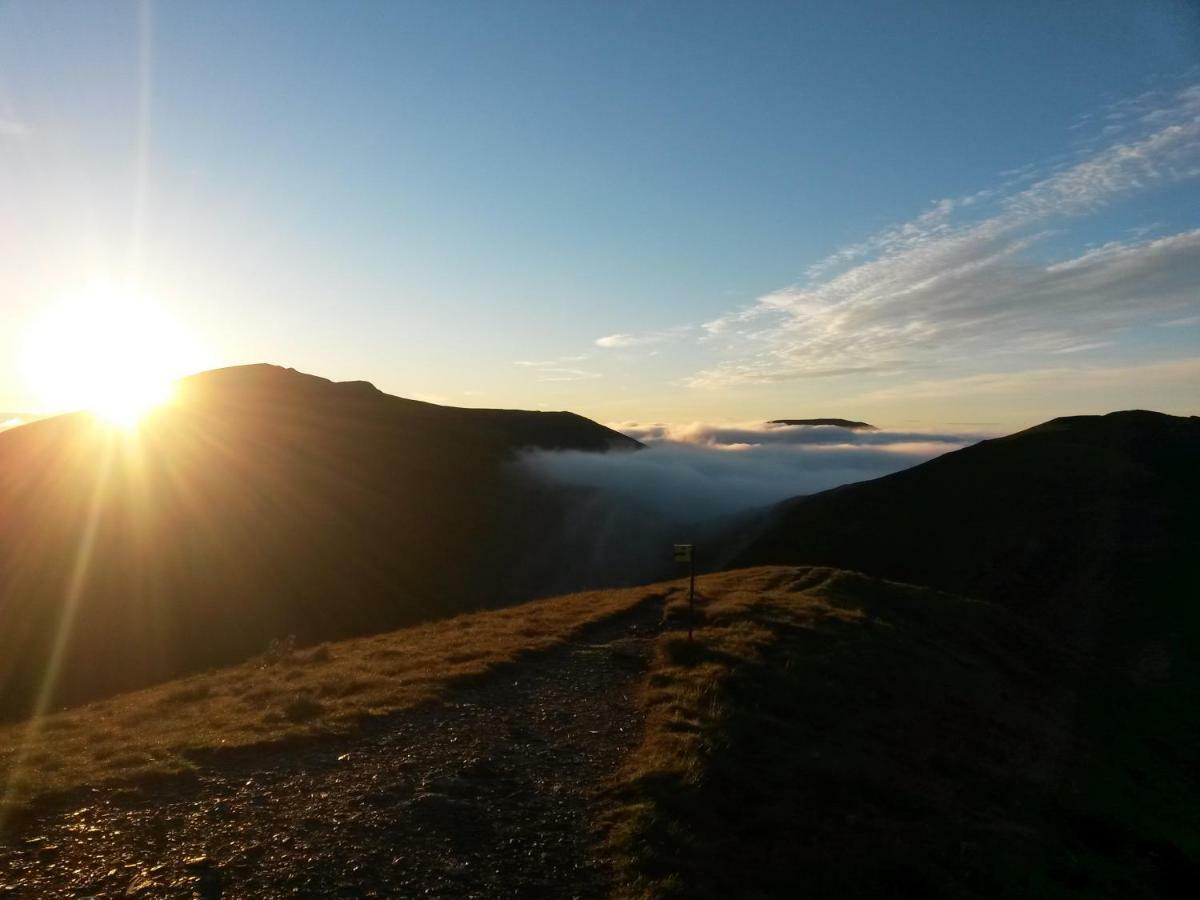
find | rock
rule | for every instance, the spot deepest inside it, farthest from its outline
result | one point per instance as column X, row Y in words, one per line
column 221, row 811
column 139, row 886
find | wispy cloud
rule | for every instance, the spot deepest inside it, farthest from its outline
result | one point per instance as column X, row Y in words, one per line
column 747, row 435
column 621, row 341
column 557, row 369
column 1033, row 381
column 628, row 341
column 13, row 128
column 568, row 375
column 960, row 282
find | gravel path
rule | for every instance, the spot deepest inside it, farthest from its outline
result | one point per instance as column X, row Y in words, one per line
column 492, row 793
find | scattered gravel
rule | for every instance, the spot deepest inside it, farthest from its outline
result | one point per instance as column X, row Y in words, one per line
column 493, row 793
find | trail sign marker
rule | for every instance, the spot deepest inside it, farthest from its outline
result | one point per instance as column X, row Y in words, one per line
column 686, row 553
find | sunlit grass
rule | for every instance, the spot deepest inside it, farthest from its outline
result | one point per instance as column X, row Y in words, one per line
column 283, row 694
column 826, row 728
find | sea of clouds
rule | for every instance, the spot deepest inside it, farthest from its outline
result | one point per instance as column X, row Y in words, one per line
column 700, row 471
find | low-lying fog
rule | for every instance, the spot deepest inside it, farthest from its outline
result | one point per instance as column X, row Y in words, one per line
column 706, row 484
column 697, row 471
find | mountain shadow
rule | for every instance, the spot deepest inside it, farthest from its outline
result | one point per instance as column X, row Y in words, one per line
column 1065, row 522
column 263, row 503
column 1086, row 528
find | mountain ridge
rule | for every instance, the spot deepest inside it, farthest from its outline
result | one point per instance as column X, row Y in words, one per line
column 839, row 423
column 262, row 503
column 1124, row 473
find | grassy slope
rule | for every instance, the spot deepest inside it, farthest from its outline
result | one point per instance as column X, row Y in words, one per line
column 261, row 503
column 283, row 694
column 827, row 732
column 835, row 735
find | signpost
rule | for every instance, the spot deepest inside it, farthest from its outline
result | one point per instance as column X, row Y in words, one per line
column 687, row 553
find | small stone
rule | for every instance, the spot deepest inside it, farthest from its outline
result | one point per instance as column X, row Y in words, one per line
column 138, row 886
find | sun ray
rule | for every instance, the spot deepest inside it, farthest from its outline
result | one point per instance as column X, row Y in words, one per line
column 110, row 352
column 73, row 591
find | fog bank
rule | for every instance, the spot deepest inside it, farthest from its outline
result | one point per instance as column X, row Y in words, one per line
column 697, row 472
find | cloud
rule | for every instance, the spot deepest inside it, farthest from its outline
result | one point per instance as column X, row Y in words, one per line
column 568, row 375
column 621, row 341
column 557, row 361
column 764, row 434
column 695, row 473
column 960, row 281
column 551, row 370
column 14, row 129
column 626, row 341
column 1034, row 381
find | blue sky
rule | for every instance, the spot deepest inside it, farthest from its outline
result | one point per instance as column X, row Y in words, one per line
column 639, row 211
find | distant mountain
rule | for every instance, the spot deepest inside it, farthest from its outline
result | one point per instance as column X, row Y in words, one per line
column 840, row 423
column 1061, row 521
column 1086, row 528
column 263, row 503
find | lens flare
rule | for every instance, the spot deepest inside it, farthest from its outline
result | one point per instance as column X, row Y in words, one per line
column 109, row 352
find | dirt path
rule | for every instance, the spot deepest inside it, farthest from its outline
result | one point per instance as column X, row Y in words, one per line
column 493, row 793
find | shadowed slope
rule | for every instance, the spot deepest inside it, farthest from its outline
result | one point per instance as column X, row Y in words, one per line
column 834, row 735
column 263, row 503
column 1085, row 527
column 1063, row 522
column 827, row 733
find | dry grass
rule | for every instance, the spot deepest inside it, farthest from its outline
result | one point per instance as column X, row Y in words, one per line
column 832, row 734
column 284, row 694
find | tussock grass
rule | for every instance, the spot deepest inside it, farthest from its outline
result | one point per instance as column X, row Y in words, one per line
column 285, row 693
column 829, row 734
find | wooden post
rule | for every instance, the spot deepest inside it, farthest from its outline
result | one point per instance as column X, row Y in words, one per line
column 691, row 592
column 687, row 553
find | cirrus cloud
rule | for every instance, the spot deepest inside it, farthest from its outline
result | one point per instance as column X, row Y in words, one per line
column 973, row 277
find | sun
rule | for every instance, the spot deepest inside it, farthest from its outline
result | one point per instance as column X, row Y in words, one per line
column 108, row 351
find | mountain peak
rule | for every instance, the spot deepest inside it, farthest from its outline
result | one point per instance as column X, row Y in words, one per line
column 837, row 423
column 267, row 376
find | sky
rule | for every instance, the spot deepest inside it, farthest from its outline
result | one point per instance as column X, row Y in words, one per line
column 926, row 216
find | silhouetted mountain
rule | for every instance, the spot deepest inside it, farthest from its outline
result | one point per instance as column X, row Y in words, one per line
column 263, row 503
column 1060, row 521
column 1087, row 528
column 840, row 423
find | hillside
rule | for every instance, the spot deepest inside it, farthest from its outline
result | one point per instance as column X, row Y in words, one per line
column 826, row 730
column 844, row 736
column 1083, row 528
column 263, row 503
column 1065, row 522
